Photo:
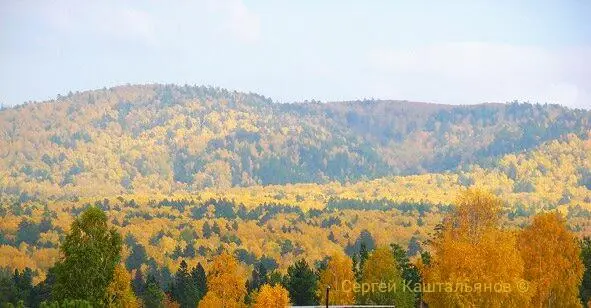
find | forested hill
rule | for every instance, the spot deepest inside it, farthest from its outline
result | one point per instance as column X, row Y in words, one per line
column 164, row 138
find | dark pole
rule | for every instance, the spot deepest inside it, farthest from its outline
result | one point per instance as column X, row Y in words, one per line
column 327, row 293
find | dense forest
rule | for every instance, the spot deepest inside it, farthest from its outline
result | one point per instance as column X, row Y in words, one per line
column 474, row 260
column 166, row 139
column 172, row 193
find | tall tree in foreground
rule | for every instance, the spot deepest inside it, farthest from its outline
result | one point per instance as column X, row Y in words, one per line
column 271, row 297
column 339, row 276
column 225, row 283
column 381, row 268
column 301, row 283
column 90, row 253
column 474, row 262
column 552, row 261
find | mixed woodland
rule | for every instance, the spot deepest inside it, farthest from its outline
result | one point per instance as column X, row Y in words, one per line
column 164, row 196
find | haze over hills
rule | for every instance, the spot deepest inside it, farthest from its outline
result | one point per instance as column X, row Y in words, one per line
column 187, row 175
column 330, row 170
column 166, row 138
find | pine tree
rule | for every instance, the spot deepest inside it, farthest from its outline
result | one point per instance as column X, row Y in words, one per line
column 199, row 280
column 23, row 281
column 137, row 257
column 363, row 254
column 42, row 291
column 357, row 270
column 206, row 230
column 216, row 228
column 177, row 252
column 189, row 251
column 185, row 290
column 259, row 277
column 301, row 282
column 276, row 278
column 138, row 283
column 153, row 295
column 410, row 273
column 181, row 278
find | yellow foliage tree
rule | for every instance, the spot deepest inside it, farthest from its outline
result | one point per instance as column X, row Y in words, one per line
column 271, row 297
column 381, row 283
column 476, row 212
column 475, row 263
column 119, row 292
column 211, row 300
column 225, row 282
column 552, row 261
column 339, row 276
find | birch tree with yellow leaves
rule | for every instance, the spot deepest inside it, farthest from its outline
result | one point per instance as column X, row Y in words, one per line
column 225, row 283
column 381, row 269
column 339, row 276
column 119, row 292
column 271, row 297
column 552, row 261
column 475, row 263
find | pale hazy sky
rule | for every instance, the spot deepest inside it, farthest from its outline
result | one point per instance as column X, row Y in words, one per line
column 458, row 52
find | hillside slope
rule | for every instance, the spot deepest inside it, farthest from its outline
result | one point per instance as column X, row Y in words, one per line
column 165, row 138
column 288, row 222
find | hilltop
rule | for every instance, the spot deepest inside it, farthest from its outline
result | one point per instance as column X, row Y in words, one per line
column 167, row 138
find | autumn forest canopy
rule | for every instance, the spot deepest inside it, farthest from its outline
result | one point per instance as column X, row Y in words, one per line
column 192, row 196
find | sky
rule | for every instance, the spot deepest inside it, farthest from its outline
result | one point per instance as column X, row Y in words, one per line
column 455, row 52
